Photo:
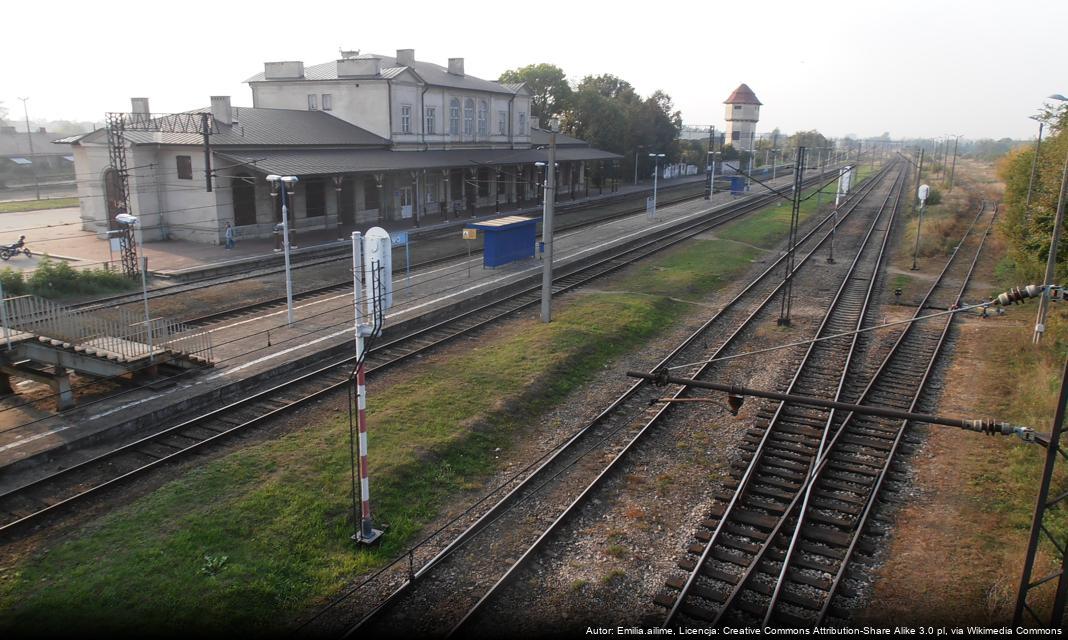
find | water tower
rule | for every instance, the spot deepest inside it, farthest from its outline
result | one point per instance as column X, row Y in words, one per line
column 743, row 111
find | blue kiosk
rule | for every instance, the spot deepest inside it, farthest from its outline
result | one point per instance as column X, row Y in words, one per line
column 507, row 239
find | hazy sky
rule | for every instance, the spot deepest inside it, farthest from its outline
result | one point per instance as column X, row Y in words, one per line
column 913, row 68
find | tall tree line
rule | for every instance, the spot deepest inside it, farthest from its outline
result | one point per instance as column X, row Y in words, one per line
column 606, row 111
column 1029, row 228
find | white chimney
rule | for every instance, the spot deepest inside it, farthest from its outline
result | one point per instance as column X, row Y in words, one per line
column 405, row 57
column 285, row 70
column 456, row 66
column 139, row 105
column 221, row 111
column 359, row 67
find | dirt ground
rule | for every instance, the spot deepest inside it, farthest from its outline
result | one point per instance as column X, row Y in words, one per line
column 954, row 560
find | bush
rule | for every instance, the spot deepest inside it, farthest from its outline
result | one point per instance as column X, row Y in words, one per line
column 934, row 196
column 12, row 282
column 54, row 279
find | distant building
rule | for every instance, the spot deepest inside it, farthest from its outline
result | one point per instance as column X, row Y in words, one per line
column 52, row 162
column 372, row 138
column 742, row 114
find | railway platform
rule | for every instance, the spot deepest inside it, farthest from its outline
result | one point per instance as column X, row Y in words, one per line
column 251, row 352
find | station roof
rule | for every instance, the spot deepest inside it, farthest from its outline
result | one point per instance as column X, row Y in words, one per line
column 742, row 95
column 430, row 73
column 337, row 161
column 261, row 127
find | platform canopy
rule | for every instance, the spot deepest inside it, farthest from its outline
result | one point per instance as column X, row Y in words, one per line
column 335, row 161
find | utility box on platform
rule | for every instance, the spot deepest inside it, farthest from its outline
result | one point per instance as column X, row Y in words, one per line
column 507, row 239
column 737, row 185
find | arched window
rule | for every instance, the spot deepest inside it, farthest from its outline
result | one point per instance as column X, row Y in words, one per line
column 483, row 118
column 469, row 117
column 454, row 117
column 244, row 196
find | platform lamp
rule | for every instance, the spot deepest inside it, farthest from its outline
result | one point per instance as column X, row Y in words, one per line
column 656, row 174
column 278, row 185
column 132, row 221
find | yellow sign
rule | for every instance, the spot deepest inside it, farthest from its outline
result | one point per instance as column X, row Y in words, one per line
column 470, row 234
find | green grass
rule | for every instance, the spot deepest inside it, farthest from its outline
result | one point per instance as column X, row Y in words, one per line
column 37, row 205
column 690, row 274
column 253, row 540
column 768, row 227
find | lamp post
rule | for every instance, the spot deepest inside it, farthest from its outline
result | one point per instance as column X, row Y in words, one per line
column 280, row 183
column 656, row 175
column 547, row 227
column 1054, row 245
column 33, row 156
column 133, row 221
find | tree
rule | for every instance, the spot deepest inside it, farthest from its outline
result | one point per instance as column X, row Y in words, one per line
column 1028, row 229
column 3, row 114
column 549, row 90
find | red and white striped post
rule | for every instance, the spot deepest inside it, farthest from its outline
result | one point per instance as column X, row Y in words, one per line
column 366, row 532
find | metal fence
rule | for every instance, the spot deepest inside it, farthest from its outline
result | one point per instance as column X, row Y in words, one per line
column 126, row 337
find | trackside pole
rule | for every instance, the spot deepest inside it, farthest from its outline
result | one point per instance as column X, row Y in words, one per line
column 366, row 532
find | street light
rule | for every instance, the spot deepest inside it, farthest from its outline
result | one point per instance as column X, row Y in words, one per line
column 280, row 182
column 1054, row 245
column 656, row 174
column 33, row 156
column 547, row 226
column 131, row 221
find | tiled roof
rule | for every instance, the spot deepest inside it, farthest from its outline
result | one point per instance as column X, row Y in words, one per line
column 334, row 161
column 431, row 73
column 267, row 127
column 742, row 95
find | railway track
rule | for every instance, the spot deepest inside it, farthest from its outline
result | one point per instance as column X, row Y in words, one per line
column 513, row 526
column 57, row 492
column 674, row 195
column 776, row 549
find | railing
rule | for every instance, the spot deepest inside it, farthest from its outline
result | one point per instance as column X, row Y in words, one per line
column 123, row 337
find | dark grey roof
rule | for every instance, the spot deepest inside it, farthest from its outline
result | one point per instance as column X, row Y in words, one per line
column 431, row 73
column 540, row 137
column 18, row 144
column 268, row 127
column 333, row 161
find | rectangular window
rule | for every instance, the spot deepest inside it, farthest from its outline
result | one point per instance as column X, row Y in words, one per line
column 502, row 123
column 185, row 167
column 431, row 116
column 312, row 102
column 328, row 102
column 737, row 107
column 406, row 118
column 454, row 118
column 736, row 135
column 523, row 124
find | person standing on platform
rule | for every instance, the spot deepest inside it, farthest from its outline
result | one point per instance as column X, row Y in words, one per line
column 229, row 236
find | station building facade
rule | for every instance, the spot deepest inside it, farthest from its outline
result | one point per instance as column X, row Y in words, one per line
column 373, row 139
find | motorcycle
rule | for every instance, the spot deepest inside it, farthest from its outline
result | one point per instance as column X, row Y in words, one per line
column 14, row 249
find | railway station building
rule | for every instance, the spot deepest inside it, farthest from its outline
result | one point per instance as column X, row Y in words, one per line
column 373, row 139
